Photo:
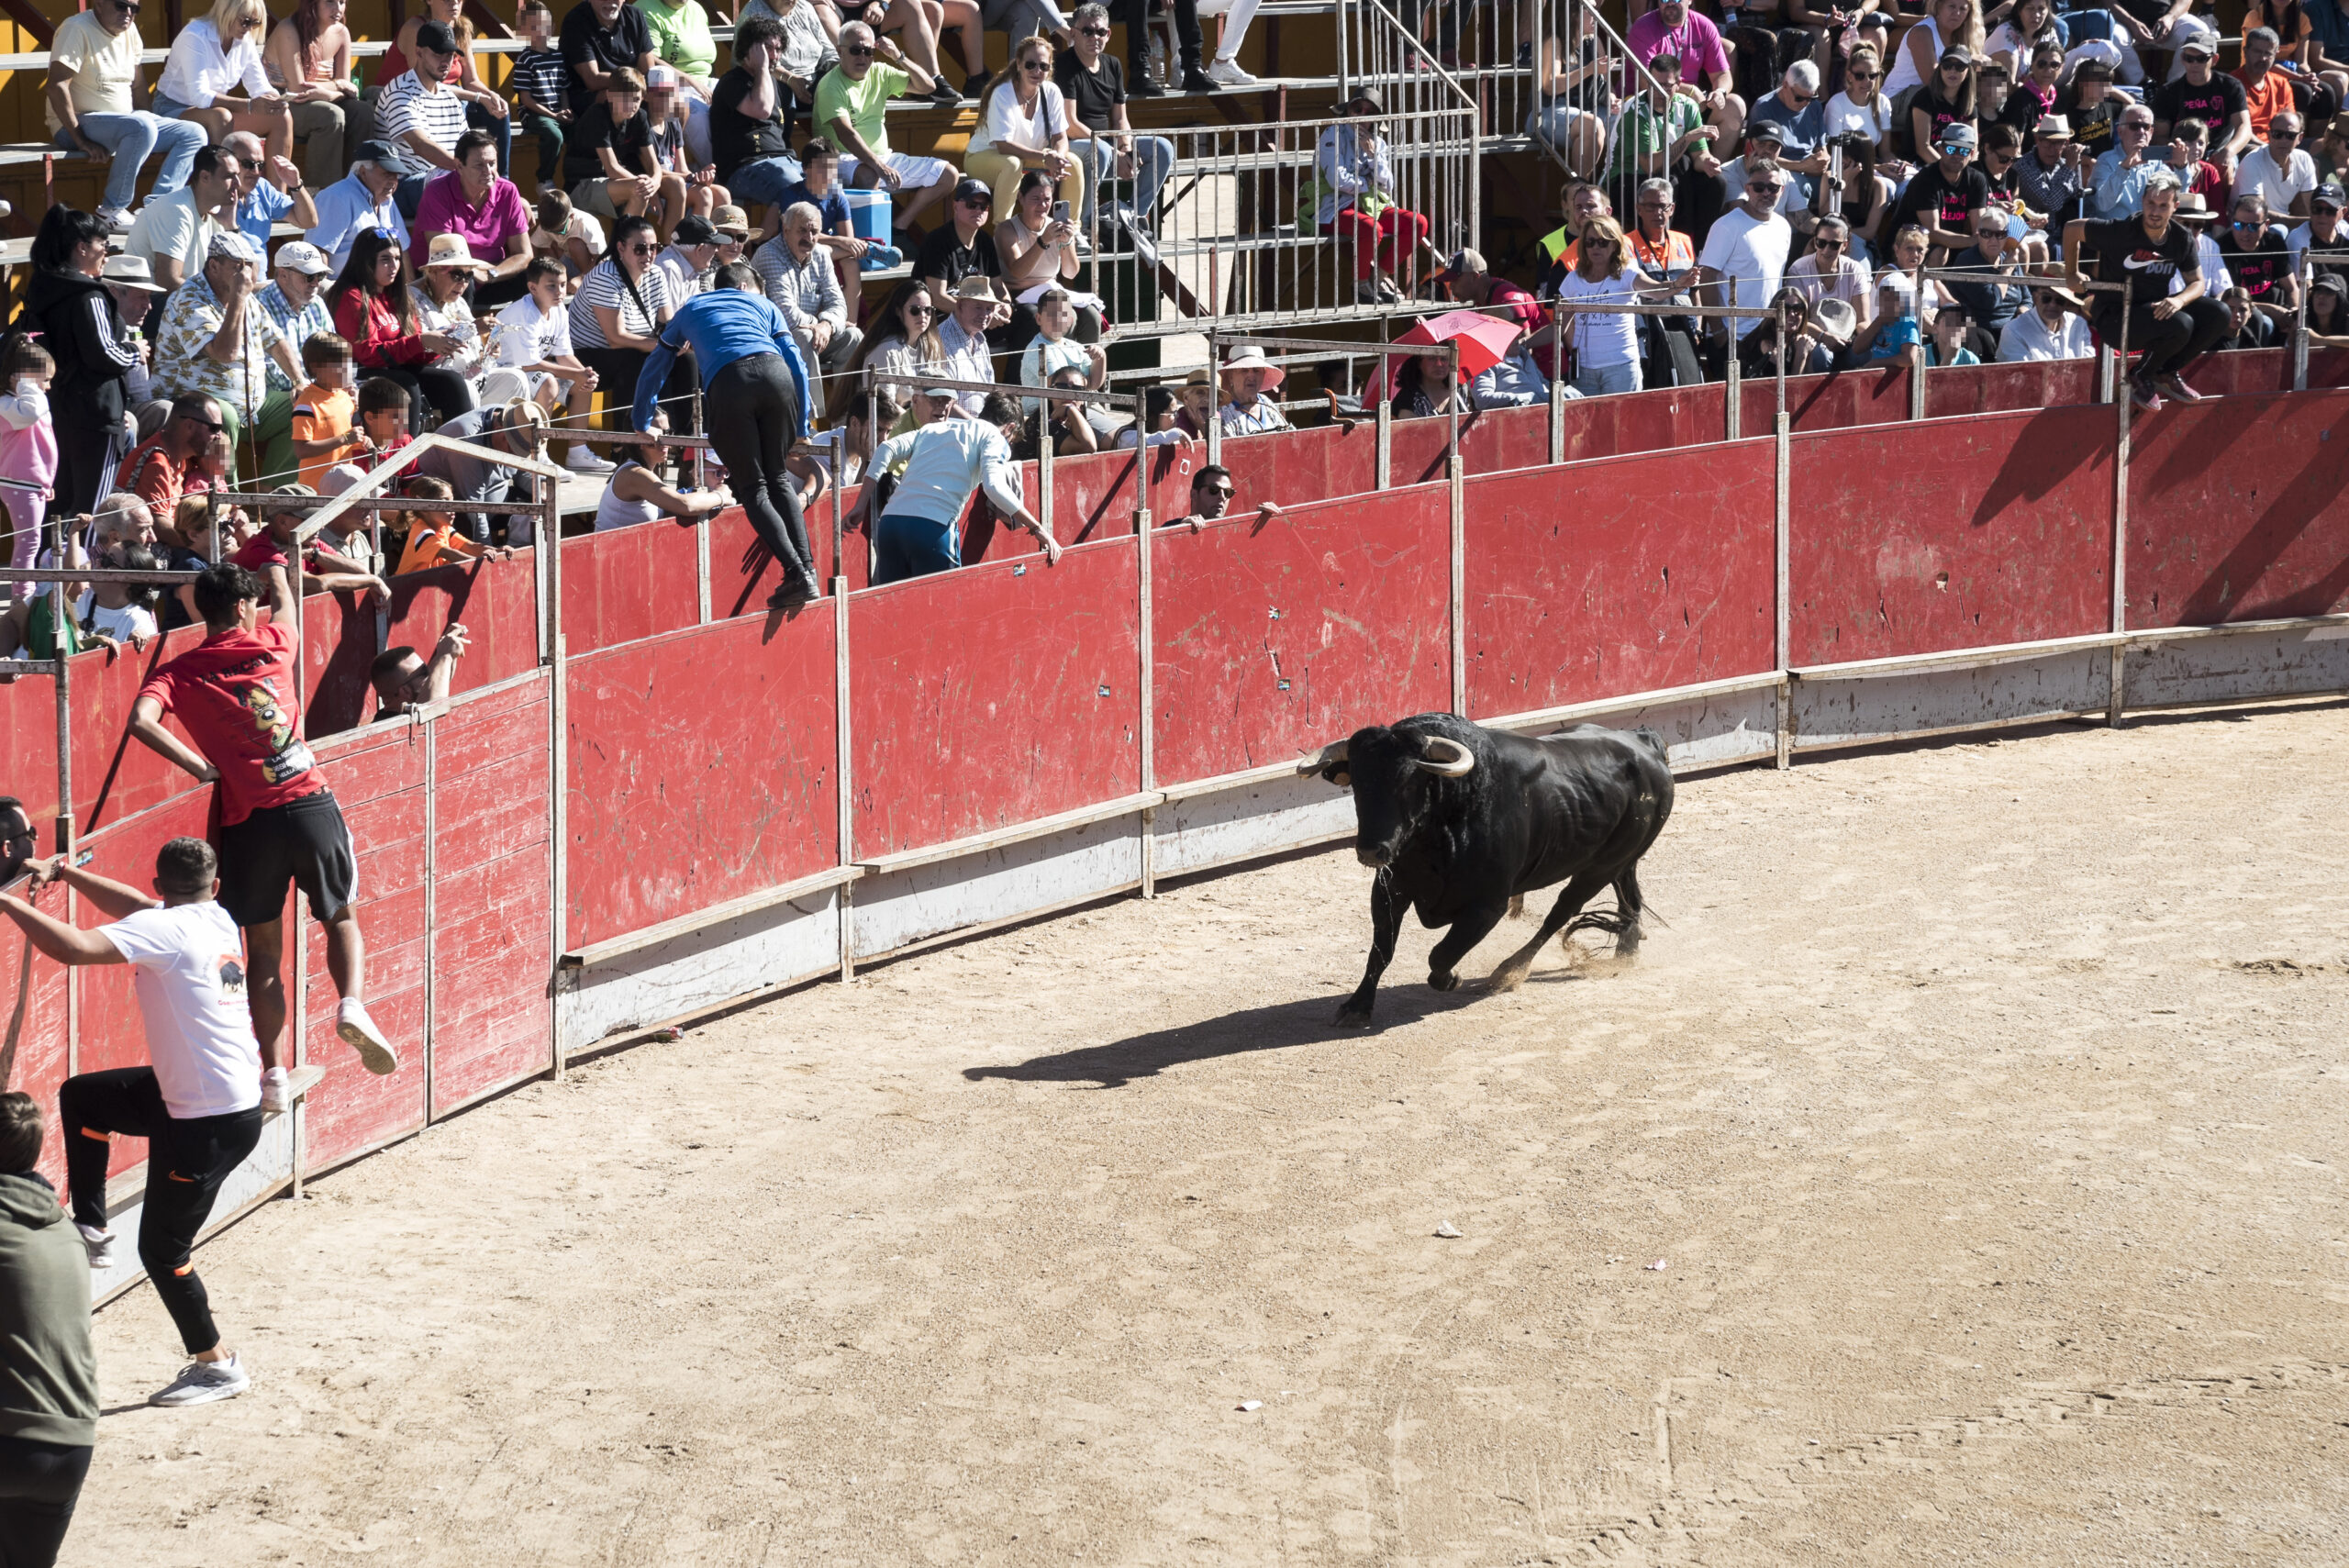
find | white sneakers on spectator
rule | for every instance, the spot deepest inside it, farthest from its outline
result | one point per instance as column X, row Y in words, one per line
column 583, row 461
column 1227, row 73
column 114, row 220
column 201, row 1382
column 99, row 1244
column 276, row 1095
column 359, row 1032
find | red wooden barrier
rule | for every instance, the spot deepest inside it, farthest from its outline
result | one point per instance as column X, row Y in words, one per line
column 33, row 1028
column 1628, row 575
column 497, row 602
column 492, row 942
column 993, row 695
column 1274, row 638
column 627, row 584
column 2237, row 510
column 1996, row 529
column 113, row 776
column 702, row 768
column 378, row 780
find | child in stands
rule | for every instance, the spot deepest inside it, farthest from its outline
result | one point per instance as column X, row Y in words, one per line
column 27, row 445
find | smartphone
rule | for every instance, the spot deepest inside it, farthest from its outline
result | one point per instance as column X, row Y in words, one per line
column 1060, row 212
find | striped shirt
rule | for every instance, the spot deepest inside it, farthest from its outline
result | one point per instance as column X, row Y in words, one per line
column 602, row 288
column 299, row 326
column 542, row 74
column 409, row 105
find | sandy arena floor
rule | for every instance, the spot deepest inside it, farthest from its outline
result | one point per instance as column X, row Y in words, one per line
column 1957, row 1178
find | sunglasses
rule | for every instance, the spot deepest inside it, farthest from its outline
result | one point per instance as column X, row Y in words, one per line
column 212, row 425
column 1094, row 32
column 1861, row 75
column 1824, row 243
column 1771, row 186
column 251, row 164
column 2277, row 133
column 1034, row 67
column 1225, row 491
column 859, row 51
column 127, row 8
column 638, row 249
column 921, row 310
column 2249, row 223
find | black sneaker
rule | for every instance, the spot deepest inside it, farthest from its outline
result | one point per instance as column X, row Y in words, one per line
column 795, row 593
column 944, row 96
column 971, row 85
column 1198, row 81
column 1140, row 85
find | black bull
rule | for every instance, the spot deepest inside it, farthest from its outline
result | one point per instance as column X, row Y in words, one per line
column 1461, row 821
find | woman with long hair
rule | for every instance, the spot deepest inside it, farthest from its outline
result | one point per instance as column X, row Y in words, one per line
column 2032, row 24
column 374, row 311
column 484, row 109
column 1024, row 127
column 1038, row 252
column 75, row 313
column 1950, row 24
column 1946, row 100
column 1860, row 104
column 622, row 304
column 308, row 60
column 214, row 56
column 903, row 342
column 1606, row 345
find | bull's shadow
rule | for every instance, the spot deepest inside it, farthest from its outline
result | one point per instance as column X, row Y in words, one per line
column 1307, row 1021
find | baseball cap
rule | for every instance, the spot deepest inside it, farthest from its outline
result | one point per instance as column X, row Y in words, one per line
column 1958, row 134
column 303, row 257
column 1464, row 261
column 974, row 191
column 436, row 37
column 2201, row 44
column 2328, row 195
column 231, row 245
column 1765, row 130
column 693, row 229
column 373, row 152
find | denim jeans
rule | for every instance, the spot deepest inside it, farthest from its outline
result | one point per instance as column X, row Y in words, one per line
column 1598, row 381
column 1154, row 160
column 762, row 181
column 132, row 138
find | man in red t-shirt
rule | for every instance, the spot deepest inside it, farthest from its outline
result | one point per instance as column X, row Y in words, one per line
column 156, row 470
column 324, row 570
column 236, row 696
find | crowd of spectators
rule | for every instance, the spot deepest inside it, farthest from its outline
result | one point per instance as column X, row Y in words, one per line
column 1786, row 158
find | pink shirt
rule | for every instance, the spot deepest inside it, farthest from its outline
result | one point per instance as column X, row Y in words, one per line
column 28, row 446
column 1696, row 41
column 443, row 209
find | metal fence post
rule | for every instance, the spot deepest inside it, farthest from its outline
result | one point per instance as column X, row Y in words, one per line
column 550, row 546
column 2301, row 325
column 1734, row 400
column 1457, row 476
column 2115, row 697
column 1558, row 400
column 1781, row 531
column 1147, row 674
column 841, row 767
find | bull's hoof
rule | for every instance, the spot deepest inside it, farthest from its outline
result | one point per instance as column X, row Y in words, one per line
column 1509, row 976
column 1351, row 1016
column 1444, row 982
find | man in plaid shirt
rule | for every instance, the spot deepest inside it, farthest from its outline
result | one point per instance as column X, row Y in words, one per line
column 296, row 302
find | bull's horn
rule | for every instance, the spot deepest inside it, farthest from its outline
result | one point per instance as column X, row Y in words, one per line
column 1462, row 761
column 1335, row 752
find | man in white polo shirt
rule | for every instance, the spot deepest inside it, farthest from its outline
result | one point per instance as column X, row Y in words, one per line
column 197, row 1105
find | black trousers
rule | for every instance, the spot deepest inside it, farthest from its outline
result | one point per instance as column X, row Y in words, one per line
column 39, row 1484
column 87, row 454
column 1135, row 15
column 434, row 396
column 753, row 409
column 187, row 1163
column 2169, row 346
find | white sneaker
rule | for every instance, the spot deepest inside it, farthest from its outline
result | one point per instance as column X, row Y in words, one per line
column 201, row 1382
column 99, row 1244
column 583, row 461
column 359, row 1032
column 114, row 220
column 1227, row 73
column 276, row 1095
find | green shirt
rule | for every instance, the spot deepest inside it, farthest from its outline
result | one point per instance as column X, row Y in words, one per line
column 865, row 103
column 1644, row 131
column 681, row 35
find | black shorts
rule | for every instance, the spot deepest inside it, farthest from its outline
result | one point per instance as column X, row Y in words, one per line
column 302, row 841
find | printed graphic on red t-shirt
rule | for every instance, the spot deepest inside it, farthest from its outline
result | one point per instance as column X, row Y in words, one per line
column 235, row 696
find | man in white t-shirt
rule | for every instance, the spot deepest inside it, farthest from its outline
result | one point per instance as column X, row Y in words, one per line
column 198, row 1105
column 533, row 336
column 2279, row 171
column 1745, row 254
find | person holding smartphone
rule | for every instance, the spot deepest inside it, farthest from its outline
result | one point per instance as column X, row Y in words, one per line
column 1037, row 244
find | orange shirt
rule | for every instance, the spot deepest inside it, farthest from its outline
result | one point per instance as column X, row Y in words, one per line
column 433, row 544
column 2270, row 95
column 319, row 414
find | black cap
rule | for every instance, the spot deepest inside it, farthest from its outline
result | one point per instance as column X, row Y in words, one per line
column 376, row 152
column 693, row 229
column 436, row 37
column 969, row 190
column 2330, row 194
